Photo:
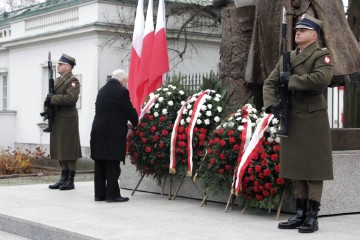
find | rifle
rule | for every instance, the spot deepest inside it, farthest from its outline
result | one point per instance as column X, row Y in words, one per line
column 283, row 93
column 49, row 112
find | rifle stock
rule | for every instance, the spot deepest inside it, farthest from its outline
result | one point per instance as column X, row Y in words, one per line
column 49, row 112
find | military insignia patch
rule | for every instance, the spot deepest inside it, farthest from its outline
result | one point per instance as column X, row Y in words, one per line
column 327, row 60
column 73, row 84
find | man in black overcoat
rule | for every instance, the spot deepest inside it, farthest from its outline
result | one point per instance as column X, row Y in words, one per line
column 108, row 136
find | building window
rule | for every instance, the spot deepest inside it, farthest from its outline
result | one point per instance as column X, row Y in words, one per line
column 3, row 91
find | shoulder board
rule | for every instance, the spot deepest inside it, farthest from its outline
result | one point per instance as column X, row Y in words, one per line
column 323, row 49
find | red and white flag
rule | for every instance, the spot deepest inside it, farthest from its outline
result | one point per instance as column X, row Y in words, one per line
column 160, row 59
column 146, row 55
column 136, row 55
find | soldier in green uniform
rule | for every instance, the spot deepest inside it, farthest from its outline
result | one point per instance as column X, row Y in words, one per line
column 306, row 155
column 65, row 139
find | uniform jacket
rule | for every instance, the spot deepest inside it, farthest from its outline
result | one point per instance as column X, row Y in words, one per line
column 306, row 154
column 65, row 139
column 109, row 129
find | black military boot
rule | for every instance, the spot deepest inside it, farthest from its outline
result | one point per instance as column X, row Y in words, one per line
column 69, row 183
column 64, row 175
column 311, row 223
column 299, row 218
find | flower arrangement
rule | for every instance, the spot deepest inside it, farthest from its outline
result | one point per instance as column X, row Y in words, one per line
column 261, row 185
column 197, row 117
column 149, row 145
column 225, row 143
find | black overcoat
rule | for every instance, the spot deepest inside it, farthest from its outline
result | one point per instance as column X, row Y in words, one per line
column 109, row 129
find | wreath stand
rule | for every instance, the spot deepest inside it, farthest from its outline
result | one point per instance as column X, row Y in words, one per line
column 178, row 189
column 137, row 185
column 163, row 185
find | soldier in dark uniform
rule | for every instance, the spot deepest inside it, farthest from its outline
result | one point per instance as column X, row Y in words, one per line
column 108, row 136
column 65, row 139
column 306, row 155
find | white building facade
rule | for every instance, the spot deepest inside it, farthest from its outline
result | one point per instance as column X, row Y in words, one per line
column 80, row 29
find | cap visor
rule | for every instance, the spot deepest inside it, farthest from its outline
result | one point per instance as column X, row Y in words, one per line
column 303, row 26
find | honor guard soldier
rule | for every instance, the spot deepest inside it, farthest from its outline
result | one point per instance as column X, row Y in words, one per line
column 64, row 138
column 306, row 155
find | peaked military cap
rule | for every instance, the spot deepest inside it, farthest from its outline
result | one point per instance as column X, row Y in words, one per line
column 309, row 22
column 66, row 59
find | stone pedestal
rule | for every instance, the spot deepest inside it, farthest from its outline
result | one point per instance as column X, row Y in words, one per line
column 339, row 196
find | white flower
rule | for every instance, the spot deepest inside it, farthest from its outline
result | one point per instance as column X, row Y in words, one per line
column 182, row 122
column 170, row 103
column 240, row 128
column 277, row 139
column 203, row 108
column 219, row 109
column 161, row 99
column 181, row 92
column 184, row 111
column 239, row 118
column 218, row 95
column 224, row 125
column 270, row 139
column 157, row 105
column 151, row 95
column 190, row 112
column 244, row 120
column 216, row 99
column 173, row 87
column 231, row 124
column 189, row 106
column 168, row 93
column 198, row 122
column 193, row 99
column 253, row 124
column 217, row 119
column 274, row 121
column 207, row 121
column 188, row 119
column 165, row 89
column 164, row 111
column 230, row 119
column 208, row 113
column 156, row 114
column 272, row 129
column 182, row 103
column 209, row 106
column 207, row 97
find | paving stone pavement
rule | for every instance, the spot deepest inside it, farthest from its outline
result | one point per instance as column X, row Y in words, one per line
column 33, row 211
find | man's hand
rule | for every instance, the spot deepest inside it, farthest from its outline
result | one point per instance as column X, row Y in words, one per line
column 284, row 78
column 278, row 111
column 48, row 97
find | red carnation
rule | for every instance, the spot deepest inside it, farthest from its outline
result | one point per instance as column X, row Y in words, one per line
column 222, row 156
column 280, row 181
column 232, row 140
column 230, row 132
column 277, row 168
column 202, row 137
column 212, row 161
column 222, row 142
column 147, row 149
column 161, row 144
column 153, row 129
column 162, row 118
column 221, row 171
column 164, row 132
column 228, row 167
column 236, row 147
column 268, row 186
column 220, row 131
column 155, row 138
column 143, row 140
column 266, row 193
column 150, row 117
column 276, row 148
column 257, row 168
column 203, row 130
column 274, row 157
column 181, row 129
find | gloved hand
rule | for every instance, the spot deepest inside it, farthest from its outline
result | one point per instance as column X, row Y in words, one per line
column 278, row 111
column 48, row 97
column 284, row 78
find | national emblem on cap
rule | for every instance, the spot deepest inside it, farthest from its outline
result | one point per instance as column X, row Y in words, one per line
column 66, row 59
column 309, row 22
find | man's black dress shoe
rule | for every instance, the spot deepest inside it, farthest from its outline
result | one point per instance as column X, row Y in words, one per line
column 118, row 199
column 98, row 199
